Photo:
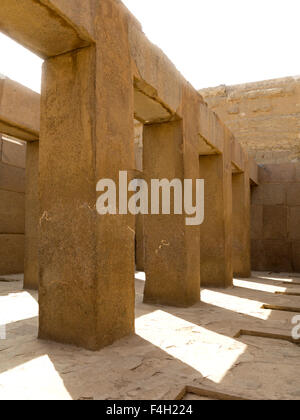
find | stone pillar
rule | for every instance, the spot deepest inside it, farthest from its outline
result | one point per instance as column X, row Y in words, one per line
column 139, row 221
column 139, row 246
column 172, row 277
column 216, row 231
column 12, row 207
column 31, row 263
column 241, row 224
column 86, row 260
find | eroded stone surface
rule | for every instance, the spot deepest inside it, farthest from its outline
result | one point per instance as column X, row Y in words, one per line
column 263, row 116
column 275, row 218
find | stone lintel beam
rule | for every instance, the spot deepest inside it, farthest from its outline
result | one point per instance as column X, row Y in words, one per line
column 241, row 255
column 19, row 111
column 211, row 134
column 148, row 107
column 216, row 230
column 153, row 68
column 40, row 26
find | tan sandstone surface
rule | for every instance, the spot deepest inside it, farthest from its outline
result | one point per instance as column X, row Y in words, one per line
column 263, row 116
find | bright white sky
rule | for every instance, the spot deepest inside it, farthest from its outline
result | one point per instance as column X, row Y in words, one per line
column 211, row 42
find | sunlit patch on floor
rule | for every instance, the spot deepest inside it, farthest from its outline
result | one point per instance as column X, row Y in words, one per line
column 15, row 307
column 36, row 379
column 211, row 354
column 258, row 286
column 234, row 303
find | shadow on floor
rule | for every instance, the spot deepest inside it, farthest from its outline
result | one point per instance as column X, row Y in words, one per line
column 173, row 347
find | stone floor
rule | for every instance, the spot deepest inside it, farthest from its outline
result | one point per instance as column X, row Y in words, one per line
column 172, row 349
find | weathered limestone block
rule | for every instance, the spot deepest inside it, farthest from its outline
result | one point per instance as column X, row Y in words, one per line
column 156, row 70
column 275, row 218
column 86, row 260
column 12, row 212
column 31, row 264
column 23, row 20
column 263, row 116
column 12, row 178
column 12, row 206
column 12, row 254
column 241, row 254
column 139, row 220
column 19, row 108
column 256, row 220
column 216, row 231
column 171, row 277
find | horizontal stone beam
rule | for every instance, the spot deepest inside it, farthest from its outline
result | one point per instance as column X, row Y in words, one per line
column 19, row 111
column 213, row 134
column 40, row 26
column 148, row 108
column 164, row 92
column 240, row 159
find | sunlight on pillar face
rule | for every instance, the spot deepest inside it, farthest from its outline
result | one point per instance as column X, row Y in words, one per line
column 37, row 378
column 17, row 307
column 235, row 304
column 258, row 286
column 209, row 353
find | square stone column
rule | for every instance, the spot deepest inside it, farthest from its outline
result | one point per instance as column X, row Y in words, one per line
column 139, row 245
column 172, row 275
column 216, row 231
column 241, row 224
column 31, row 263
column 139, row 221
column 86, row 260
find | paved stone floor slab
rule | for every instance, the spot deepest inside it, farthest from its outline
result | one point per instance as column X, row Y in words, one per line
column 172, row 348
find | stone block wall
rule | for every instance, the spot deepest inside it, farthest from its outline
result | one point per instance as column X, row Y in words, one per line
column 265, row 118
column 139, row 219
column 276, row 219
column 12, row 205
